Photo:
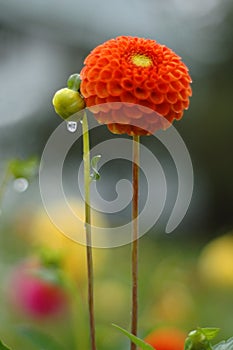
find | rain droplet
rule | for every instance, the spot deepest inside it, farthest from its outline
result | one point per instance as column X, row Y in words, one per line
column 20, row 184
column 72, row 126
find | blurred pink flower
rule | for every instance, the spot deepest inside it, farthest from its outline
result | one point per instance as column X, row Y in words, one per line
column 34, row 295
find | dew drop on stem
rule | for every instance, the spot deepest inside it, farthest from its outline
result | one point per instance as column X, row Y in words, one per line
column 72, row 126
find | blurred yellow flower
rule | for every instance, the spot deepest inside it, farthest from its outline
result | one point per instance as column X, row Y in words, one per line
column 174, row 303
column 216, row 262
column 45, row 234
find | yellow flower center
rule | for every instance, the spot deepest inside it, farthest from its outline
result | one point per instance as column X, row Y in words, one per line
column 141, row 60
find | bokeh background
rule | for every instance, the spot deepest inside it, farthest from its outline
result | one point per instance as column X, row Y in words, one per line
column 183, row 282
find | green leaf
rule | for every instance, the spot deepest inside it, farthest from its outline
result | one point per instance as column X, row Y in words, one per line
column 199, row 339
column 224, row 345
column 24, row 168
column 94, row 162
column 209, row 333
column 40, row 340
column 3, row 347
column 203, row 333
column 139, row 342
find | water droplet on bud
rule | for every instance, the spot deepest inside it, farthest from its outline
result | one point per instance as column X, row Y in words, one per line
column 20, row 184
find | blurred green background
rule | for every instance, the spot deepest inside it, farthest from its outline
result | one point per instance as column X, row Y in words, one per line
column 41, row 44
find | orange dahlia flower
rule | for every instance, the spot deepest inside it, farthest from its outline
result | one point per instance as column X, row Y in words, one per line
column 166, row 339
column 135, row 72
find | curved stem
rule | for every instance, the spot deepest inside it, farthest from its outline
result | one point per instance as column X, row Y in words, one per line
column 135, row 171
column 86, row 160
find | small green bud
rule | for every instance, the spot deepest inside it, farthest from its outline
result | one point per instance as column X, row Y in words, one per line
column 94, row 163
column 67, row 102
column 199, row 339
column 74, row 82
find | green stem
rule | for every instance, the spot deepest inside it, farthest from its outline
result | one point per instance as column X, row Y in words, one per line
column 135, row 180
column 78, row 318
column 86, row 160
column 6, row 178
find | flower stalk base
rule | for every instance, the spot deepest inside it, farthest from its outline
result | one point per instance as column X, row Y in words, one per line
column 86, row 160
column 135, row 171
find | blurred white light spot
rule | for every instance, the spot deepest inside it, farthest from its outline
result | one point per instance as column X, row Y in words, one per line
column 20, row 184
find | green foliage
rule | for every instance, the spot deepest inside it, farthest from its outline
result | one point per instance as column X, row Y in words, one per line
column 224, row 345
column 94, row 162
column 50, row 268
column 139, row 342
column 27, row 168
column 3, row 347
column 199, row 339
column 51, row 275
column 50, row 258
column 40, row 340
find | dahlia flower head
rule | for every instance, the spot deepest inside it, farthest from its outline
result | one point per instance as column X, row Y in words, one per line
column 135, row 85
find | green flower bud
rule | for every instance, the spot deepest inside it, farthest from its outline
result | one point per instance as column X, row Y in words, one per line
column 67, row 102
column 74, row 82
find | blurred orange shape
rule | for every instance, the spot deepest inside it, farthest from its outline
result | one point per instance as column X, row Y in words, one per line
column 167, row 339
